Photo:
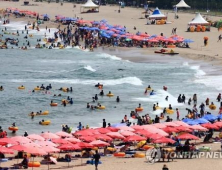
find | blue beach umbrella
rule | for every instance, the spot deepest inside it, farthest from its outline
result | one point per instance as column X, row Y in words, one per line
column 118, row 124
column 187, row 120
column 192, row 122
column 210, row 117
column 188, row 41
column 45, row 15
column 201, row 121
column 220, row 116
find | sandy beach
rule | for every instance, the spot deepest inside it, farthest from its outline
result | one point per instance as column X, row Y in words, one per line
column 129, row 17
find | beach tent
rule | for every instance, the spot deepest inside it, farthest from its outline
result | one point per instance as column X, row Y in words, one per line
column 157, row 15
column 198, row 20
column 89, row 6
column 182, row 4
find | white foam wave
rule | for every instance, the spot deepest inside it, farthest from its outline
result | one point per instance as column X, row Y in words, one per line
column 159, row 97
column 127, row 80
column 185, row 64
column 211, row 81
column 112, row 57
column 199, row 72
column 58, row 61
column 89, row 68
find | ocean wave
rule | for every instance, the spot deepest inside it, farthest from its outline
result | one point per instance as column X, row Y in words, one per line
column 127, row 80
column 159, row 97
column 199, row 72
column 112, row 57
column 89, row 68
column 210, row 81
column 58, row 61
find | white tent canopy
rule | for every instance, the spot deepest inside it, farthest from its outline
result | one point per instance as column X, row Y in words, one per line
column 89, row 5
column 157, row 15
column 198, row 20
column 182, row 4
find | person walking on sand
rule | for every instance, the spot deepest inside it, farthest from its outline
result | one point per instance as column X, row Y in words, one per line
column 165, row 167
column 219, row 38
column 96, row 157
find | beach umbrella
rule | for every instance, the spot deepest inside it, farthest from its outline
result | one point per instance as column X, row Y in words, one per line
column 170, row 129
column 99, row 143
column 46, row 143
column 36, row 137
column 155, row 136
column 127, row 133
column 36, row 151
column 73, row 140
column 103, row 137
column 63, row 134
column 210, row 126
column 126, row 128
column 32, row 144
column 172, row 124
column 103, row 130
column 69, row 147
column 219, row 124
column 137, row 127
column 50, row 149
column 21, row 139
column 159, row 125
column 143, row 133
column 183, row 129
column 220, row 116
column 86, row 132
column 188, row 41
column 201, row 120
column 164, row 140
column 115, row 135
column 187, row 120
column 118, row 125
column 5, row 150
column 154, row 130
column 210, row 117
column 49, row 135
column 181, row 123
column 198, row 127
column 192, row 122
column 186, row 136
column 87, row 138
column 84, row 145
column 19, row 148
column 112, row 129
column 60, row 141
column 5, row 141
column 134, row 138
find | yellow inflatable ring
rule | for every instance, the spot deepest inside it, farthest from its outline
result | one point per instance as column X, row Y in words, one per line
column 158, row 107
column 111, row 149
column 37, row 88
column 110, row 95
column 47, row 122
column 139, row 109
column 54, row 104
column 119, row 154
column 34, row 164
column 45, row 112
column 212, row 107
column 139, row 155
column 64, row 89
column 169, row 111
column 220, row 135
column 141, row 143
column 102, row 107
column 21, row 87
column 13, row 128
column 146, row 147
column 148, row 89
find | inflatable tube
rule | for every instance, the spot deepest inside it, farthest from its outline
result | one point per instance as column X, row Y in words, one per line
column 47, row 122
column 171, row 46
column 212, row 107
column 111, row 149
column 67, row 102
column 34, row 164
column 102, row 107
column 204, row 149
column 130, row 152
column 139, row 155
column 45, row 112
column 146, row 147
column 110, row 95
column 64, row 89
column 37, row 88
column 141, row 143
column 148, row 89
column 139, row 109
column 158, row 107
column 119, row 154
column 4, row 160
column 13, row 128
column 54, row 104
column 169, row 111
column 30, row 35
column 21, row 87
column 100, row 87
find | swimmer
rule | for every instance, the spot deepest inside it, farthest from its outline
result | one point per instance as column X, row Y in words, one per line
column 87, row 106
column 166, row 98
column 93, row 99
column 71, row 101
column 101, row 93
column 110, row 92
column 152, row 92
column 117, row 99
column 96, row 97
column 170, row 107
column 148, row 87
column 139, row 105
column 154, row 107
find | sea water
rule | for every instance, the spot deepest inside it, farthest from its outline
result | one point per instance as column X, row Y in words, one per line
column 81, row 70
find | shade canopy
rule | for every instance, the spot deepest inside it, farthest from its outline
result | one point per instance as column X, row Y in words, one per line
column 182, row 4
column 157, row 15
column 198, row 20
column 89, row 4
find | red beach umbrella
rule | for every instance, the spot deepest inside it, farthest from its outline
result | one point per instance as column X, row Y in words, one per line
column 21, row 139
column 126, row 128
column 199, row 128
column 73, row 140
column 48, row 135
column 113, row 129
column 84, row 145
column 19, row 148
column 210, row 126
column 183, row 129
column 155, row 136
column 87, row 138
column 4, row 141
column 63, row 134
column 143, row 133
column 6, row 150
column 134, row 138
column 170, row 129
column 69, row 147
column 46, row 143
column 127, row 133
column 137, row 127
column 103, row 137
column 60, row 141
column 99, row 143
column 50, row 149
column 115, row 135
column 159, row 125
column 164, row 140
column 36, row 137
column 103, row 130
column 186, row 136
column 36, row 151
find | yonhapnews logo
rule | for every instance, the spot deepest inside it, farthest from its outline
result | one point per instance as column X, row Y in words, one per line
column 153, row 155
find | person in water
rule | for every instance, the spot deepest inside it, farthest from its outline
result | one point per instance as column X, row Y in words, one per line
column 189, row 101
column 110, row 92
column 149, row 87
column 64, row 103
column 71, row 101
column 1, row 88
column 32, row 115
column 70, row 89
column 96, row 97
column 170, row 107
column 101, row 93
column 117, row 99
column 154, row 107
column 207, row 101
column 219, row 97
column 88, row 106
column 145, row 91
column 139, row 105
column 93, row 99
column 25, row 134
column 152, row 92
